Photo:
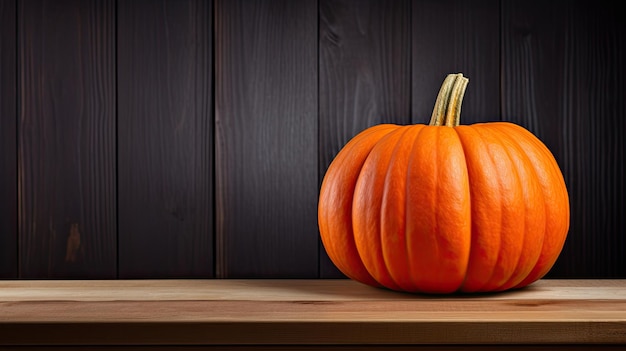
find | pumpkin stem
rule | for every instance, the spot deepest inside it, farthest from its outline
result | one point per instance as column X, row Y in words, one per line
column 447, row 110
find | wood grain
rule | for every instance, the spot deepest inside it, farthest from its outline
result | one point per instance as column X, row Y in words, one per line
column 245, row 184
column 322, row 347
column 284, row 290
column 450, row 37
column 300, row 312
column 364, row 59
column 67, row 221
column 8, row 142
column 266, row 139
column 165, row 139
column 564, row 79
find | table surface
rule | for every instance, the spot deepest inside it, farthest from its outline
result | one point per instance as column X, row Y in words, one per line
column 304, row 312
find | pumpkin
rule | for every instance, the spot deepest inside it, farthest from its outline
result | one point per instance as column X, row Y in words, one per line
column 444, row 208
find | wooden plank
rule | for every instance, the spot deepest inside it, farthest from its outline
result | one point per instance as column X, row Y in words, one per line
column 564, row 79
column 327, row 347
column 456, row 36
column 301, row 312
column 165, row 139
column 67, row 221
column 266, row 138
column 364, row 75
column 282, row 290
column 8, row 142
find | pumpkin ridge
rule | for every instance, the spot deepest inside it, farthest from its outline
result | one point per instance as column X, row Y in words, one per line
column 496, row 135
column 339, row 258
column 469, row 138
column 381, row 269
column 484, row 131
column 410, row 161
column 436, row 176
column 386, row 135
column 444, row 204
column 543, row 150
column 414, row 271
column 495, row 127
column 395, row 161
column 433, row 233
column 415, row 235
column 547, row 258
column 489, row 281
column 438, row 243
column 470, row 201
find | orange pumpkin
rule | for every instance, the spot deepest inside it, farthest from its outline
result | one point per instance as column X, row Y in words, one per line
column 443, row 207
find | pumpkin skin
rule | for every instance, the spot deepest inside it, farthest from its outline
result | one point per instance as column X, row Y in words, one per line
column 441, row 209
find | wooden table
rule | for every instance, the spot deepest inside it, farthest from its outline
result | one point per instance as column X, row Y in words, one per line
column 296, row 313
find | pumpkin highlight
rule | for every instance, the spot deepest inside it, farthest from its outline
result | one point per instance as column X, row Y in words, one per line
column 442, row 208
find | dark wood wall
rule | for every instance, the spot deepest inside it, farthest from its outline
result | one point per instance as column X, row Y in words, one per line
column 188, row 138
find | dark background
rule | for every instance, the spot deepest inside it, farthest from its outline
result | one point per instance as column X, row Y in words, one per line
column 160, row 139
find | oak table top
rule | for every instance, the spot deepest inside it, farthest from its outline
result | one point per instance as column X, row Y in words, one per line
column 305, row 312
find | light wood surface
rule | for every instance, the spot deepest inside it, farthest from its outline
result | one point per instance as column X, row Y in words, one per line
column 299, row 312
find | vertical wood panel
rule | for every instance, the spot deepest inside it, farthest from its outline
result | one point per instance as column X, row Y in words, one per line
column 67, row 184
column 266, row 138
column 364, row 75
column 165, row 138
column 8, row 152
column 456, row 36
column 564, row 79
